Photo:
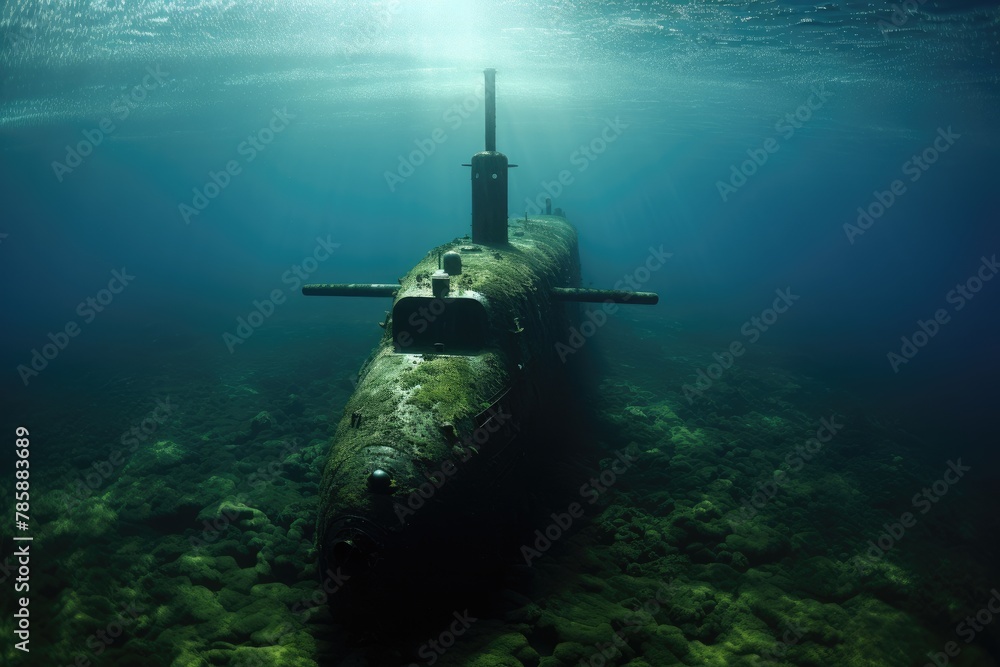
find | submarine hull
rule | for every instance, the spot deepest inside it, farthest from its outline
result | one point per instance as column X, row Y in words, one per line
column 443, row 408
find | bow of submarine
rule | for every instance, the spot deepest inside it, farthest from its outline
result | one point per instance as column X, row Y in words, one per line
column 412, row 441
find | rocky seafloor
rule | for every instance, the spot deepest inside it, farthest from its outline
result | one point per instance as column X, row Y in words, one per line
column 739, row 535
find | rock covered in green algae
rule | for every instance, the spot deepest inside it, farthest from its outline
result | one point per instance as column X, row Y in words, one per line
column 759, row 543
column 506, row 650
column 261, row 422
column 824, row 578
column 287, row 655
column 92, row 517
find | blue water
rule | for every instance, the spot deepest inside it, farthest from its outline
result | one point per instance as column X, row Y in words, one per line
column 694, row 88
column 669, row 98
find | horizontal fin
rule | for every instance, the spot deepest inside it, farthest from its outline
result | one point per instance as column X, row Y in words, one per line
column 350, row 289
column 602, row 295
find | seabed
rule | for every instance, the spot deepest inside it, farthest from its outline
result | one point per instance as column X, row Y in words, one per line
column 197, row 547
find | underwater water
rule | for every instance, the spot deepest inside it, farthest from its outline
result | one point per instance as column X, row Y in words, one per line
column 808, row 413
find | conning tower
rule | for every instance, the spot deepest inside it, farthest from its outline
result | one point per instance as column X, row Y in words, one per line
column 489, row 178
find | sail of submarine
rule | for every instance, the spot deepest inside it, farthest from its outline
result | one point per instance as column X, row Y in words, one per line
column 468, row 355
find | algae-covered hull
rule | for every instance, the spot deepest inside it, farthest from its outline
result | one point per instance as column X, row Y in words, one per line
column 439, row 413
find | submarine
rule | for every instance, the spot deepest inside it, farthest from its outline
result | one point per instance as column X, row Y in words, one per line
column 448, row 404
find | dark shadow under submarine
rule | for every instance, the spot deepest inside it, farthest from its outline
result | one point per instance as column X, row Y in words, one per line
column 413, row 498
